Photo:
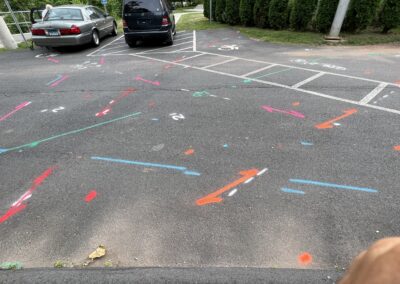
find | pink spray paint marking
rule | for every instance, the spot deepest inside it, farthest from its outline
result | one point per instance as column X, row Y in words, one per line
column 107, row 109
column 155, row 83
column 101, row 61
column 56, row 83
column 90, row 196
column 18, row 205
column 53, row 60
column 289, row 112
column 17, row 108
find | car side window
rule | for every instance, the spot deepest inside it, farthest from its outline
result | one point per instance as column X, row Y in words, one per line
column 99, row 12
column 92, row 14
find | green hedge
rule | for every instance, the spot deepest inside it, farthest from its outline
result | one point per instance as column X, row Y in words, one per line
column 278, row 14
column 220, row 11
column 260, row 13
column 390, row 15
column 232, row 12
column 301, row 13
column 246, row 12
column 325, row 14
column 360, row 15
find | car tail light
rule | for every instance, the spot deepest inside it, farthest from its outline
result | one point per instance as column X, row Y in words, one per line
column 165, row 21
column 124, row 24
column 74, row 30
column 38, row 32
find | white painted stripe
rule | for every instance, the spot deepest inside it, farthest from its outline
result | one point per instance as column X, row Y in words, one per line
column 164, row 47
column 258, row 70
column 175, row 40
column 373, row 93
column 276, row 85
column 90, row 54
column 233, row 191
column 249, row 180
column 194, row 41
column 262, row 172
column 220, row 63
column 190, row 57
column 312, row 78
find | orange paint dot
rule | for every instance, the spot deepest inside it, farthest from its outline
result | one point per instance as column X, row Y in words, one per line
column 296, row 104
column 305, row 258
column 189, row 152
column 396, row 148
column 397, row 83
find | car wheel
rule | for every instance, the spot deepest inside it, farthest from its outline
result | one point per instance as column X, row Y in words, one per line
column 131, row 43
column 95, row 39
column 170, row 40
column 115, row 30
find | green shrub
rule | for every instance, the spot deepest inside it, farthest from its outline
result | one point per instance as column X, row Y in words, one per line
column 360, row 15
column 390, row 15
column 278, row 14
column 246, row 12
column 260, row 13
column 206, row 7
column 302, row 13
column 325, row 14
column 232, row 12
column 220, row 11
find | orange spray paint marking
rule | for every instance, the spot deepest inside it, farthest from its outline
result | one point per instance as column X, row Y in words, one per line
column 107, row 109
column 296, row 104
column 189, row 152
column 90, row 196
column 215, row 196
column 396, row 148
column 397, row 83
column 305, row 258
column 329, row 123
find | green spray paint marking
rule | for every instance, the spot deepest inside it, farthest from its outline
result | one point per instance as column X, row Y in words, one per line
column 269, row 74
column 36, row 143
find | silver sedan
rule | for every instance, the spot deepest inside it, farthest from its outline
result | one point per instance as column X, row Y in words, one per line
column 73, row 25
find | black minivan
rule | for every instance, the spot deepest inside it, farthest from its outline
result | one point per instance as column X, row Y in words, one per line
column 148, row 19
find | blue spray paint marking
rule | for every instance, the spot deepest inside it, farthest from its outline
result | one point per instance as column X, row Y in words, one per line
column 325, row 184
column 226, row 145
column 2, row 150
column 289, row 190
column 305, row 143
column 56, row 79
column 171, row 167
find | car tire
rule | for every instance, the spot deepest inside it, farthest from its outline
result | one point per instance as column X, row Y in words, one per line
column 131, row 43
column 95, row 38
column 114, row 30
column 170, row 40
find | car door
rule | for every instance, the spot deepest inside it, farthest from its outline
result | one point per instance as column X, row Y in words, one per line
column 108, row 20
column 97, row 20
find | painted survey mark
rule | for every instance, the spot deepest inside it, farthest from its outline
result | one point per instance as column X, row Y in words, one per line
column 177, row 116
column 287, row 112
column 314, row 63
column 155, row 83
column 19, row 205
column 228, row 47
column 331, row 123
column 90, row 196
column 184, row 170
column 325, row 184
column 38, row 142
column 383, row 97
column 247, row 176
column 396, row 148
column 207, row 94
column 306, row 143
column 46, row 55
column 53, row 60
column 107, row 109
column 59, row 79
column 54, row 110
column 17, row 108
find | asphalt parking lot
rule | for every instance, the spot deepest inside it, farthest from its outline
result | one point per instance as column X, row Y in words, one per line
column 218, row 151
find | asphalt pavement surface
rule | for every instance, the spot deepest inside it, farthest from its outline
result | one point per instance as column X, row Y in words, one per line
column 218, row 151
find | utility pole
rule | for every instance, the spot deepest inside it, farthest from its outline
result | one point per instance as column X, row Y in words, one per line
column 15, row 21
column 338, row 21
column 6, row 37
column 210, row 11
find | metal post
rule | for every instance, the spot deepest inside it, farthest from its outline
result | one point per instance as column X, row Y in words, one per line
column 6, row 37
column 338, row 21
column 15, row 21
column 210, row 11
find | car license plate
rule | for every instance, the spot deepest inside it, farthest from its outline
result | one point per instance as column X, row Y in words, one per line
column 52, row 33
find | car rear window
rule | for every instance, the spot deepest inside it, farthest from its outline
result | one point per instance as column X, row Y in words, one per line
column 142, row 6
column 67, row 14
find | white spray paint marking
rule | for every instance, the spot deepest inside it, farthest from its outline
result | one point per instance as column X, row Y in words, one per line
column 326, row 65
column 177, row 116
column 232, row 192
column 263, row 171
column 249, row 180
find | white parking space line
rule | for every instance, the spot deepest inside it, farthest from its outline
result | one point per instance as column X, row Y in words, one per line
column 190, row 57
column 175, row 40
column 104, row 46
column 164, row 47
column 312, row 78
column 258, row 70
column 274, row 84
column 219, row 63
column 373, row 93
column 194, row 41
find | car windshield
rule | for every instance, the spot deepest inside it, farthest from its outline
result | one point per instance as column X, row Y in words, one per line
column 69, row 14
column 142, row 6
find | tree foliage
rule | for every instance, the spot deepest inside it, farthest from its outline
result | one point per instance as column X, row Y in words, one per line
column 220, row 11
column 260, row 13
column 232, row 12
column 390, row 15
column 278, row 14
column 360, row 14
column 246, row 12
column 301, row 13
column 325, row 13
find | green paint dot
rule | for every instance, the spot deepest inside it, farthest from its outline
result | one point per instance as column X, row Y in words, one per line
column 33, row 144
column 247, row 81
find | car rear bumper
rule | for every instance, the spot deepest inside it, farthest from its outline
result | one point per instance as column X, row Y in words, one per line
column 71, row 40
column 136, row 35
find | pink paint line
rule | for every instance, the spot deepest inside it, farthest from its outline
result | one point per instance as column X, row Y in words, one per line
column 156, row 83
column 53, row 60
column 90, row 196
column 101, row 61
column 289, row 112
column 56, row 83
column 107, row 109
column 18, row 205
column 17, row 108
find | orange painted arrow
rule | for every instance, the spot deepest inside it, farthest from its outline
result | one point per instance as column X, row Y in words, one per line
column 329, row 123
column 215, row 198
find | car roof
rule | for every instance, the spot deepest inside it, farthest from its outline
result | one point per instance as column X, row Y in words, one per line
column 80, row 6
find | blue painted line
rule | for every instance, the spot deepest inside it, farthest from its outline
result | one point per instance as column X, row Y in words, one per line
column 226, row 145
column 190, row 173
column 289, row 190
column 305, row 143
column 140, row 163
column 56, row 79
column 325, row 184
column 2, row 150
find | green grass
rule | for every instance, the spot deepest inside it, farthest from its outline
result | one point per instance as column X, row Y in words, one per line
column 21, row 46
column 368, row 37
